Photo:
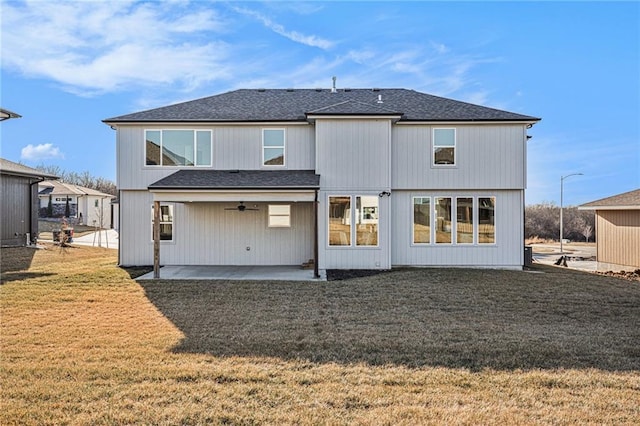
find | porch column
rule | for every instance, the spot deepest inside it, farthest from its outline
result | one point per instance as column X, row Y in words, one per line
column 156, row 240
column 315, row 237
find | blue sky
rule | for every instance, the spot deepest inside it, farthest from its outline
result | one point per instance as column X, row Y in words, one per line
column 67, row 66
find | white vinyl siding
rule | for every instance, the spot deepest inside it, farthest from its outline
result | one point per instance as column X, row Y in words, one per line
column 487, row 156
column 505, row 252
column 233, row 147
column 207, row 234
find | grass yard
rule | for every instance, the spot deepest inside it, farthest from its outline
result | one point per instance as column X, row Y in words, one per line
column 83, row 343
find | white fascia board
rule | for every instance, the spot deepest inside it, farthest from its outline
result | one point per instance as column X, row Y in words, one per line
column 220, row 196
column 609, row 208
column 205, row 124
column 460, row 123
column 352, row 117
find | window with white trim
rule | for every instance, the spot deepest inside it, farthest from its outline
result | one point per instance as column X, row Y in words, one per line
column 166, row 222
column 273, row 147
column 486, row 220
column 473, row 222
column 365, row 218
column 444, row 147
column 178, row 148
column 279, row 215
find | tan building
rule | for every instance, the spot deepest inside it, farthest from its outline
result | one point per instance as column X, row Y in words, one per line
column 617, row 230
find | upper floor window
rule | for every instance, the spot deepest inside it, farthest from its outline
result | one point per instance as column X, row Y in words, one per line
column 178, row 147
column 444, row 147
column 273, row 147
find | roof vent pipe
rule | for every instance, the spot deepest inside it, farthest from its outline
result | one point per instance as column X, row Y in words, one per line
column 379, row 99
column 333, row 89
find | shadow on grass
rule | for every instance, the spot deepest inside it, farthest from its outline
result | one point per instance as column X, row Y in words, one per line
column 457, row 318
column 16, row 258
column 18, row 276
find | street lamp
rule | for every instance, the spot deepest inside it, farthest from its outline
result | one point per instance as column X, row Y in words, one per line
column 562, row 178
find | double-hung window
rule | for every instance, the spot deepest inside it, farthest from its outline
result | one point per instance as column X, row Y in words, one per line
column 273, row 147
column 178, row 147
column 166, row 222
column 444, row 147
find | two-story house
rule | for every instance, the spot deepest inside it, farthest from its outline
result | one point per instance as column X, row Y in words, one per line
column 352, row 178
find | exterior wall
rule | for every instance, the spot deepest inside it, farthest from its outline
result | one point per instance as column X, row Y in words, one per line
column 234, row 147
column 506, row 253
column 618, row 238
column 91, row 213
column 487, row 156
column 207, row 234
column 16, row 216
column 353, row 158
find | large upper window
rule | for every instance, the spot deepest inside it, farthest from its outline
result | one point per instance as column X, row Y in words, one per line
column 178, row 147
column 444, row 147
column 166, row 222
column 273, row 147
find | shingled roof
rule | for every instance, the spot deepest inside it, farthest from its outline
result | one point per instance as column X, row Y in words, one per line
column 264, row 105
column 627, row 201
column 15, row 169
column 239, row 179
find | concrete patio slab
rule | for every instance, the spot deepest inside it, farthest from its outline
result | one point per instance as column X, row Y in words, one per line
column 260, row 273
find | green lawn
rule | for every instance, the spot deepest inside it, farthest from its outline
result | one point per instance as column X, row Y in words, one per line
column 82, row 343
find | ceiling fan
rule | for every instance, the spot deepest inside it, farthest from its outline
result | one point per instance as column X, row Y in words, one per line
column 240, row 207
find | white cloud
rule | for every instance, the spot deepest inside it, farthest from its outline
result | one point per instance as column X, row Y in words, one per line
column 308, row 40
column 44, row 151
column 99, row 47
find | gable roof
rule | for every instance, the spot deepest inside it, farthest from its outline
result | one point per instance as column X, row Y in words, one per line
column 625, row 201
column 61, row 188
column 5, row 114
column 15, row 169
column 264, row 105
column 239, row 179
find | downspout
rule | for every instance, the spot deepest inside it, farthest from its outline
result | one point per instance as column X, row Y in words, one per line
column 316, row 273
column 32, row 235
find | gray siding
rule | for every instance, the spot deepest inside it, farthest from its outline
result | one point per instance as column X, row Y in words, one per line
column 353, row 154
column 487, row 156
column 207, row 234
column 507, row 252
column 234, row 147
column 16, row 216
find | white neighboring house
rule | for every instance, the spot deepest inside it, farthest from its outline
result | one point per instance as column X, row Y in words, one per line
column 269, row 177
column 86, row 206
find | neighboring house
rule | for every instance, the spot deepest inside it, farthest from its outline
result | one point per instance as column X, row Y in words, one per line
column 5, row 114
column 617, row 231
column 19, row 202
column 352, row 178
column 86, row 206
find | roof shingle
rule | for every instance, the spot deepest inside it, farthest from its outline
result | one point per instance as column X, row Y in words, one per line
column 254, row 105
column 239, row 179
column 629, row 199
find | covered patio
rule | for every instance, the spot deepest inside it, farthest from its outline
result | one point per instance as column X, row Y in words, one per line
column 249, row 273
column 214, row 190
